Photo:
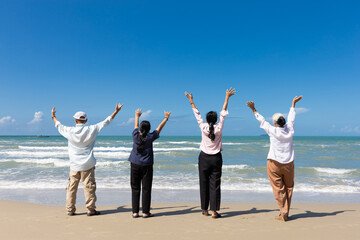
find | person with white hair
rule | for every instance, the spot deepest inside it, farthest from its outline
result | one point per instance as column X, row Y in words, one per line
column 81, row 141
column 280, row 164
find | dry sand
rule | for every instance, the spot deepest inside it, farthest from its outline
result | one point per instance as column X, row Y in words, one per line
column 181, row 221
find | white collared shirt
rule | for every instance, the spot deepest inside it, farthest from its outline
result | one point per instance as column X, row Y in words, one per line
column 281, row 139
column 207, row 145
column 81, row 141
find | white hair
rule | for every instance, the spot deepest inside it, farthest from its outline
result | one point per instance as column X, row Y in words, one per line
column 276, row 117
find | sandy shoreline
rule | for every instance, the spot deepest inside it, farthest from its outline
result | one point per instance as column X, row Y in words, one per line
column 20, row 220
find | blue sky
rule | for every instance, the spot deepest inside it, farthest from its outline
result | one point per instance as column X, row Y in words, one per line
column 89, row 55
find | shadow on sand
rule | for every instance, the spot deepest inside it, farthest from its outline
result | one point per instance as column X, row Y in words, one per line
column 310, row 214
column 129, row 209
column 251, row 211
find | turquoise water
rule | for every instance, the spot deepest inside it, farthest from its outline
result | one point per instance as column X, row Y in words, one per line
column 322, row 164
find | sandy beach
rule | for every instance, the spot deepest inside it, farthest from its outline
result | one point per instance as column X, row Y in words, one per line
column 20, row 220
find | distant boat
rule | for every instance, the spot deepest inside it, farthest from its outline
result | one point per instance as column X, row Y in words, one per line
column 263, row 135
column 42, row 136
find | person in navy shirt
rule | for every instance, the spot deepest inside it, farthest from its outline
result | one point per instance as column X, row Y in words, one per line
column 142, row 160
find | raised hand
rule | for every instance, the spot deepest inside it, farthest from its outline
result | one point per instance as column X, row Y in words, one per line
column 230, row 92
column 138, row 112
column 189, row 96
column 118, row 107
column 251, row 105
column 295, row 100
column 53, row 112
column 167, row 114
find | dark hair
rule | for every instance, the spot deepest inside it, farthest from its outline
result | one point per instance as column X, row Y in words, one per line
column 144, row 129
column 281, row 121
column 211, row 118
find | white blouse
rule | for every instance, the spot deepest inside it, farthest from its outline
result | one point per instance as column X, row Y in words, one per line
column 281, row 139
column 207, row 145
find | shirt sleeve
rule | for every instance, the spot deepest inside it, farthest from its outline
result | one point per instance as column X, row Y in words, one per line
column 135, row 135
column 63, row 130
column 270, row 130
column 223, row 114
column 155, row 135
column 199, row 118
column 104, row 123
column 291, row 117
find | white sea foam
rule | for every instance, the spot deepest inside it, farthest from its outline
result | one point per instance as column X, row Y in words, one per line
column 338, row 171
column 232, row 143
column 181, row 142
column 175, row 149
column 111, row 163
column 45, row 154
column 178, row 183
column 242, row 166
column 326, row 188
column 65, row 148
column 21, row 153
column 44, row 148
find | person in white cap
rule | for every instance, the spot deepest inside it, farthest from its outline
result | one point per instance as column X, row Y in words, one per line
column 280, row 164
column 81, row 141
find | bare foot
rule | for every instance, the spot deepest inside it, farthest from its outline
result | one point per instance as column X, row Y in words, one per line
column 281, row 218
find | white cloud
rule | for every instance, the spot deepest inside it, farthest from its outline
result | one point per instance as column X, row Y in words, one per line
column 37, row 118
column 6, row 120
column 301, row 110
column 132, row 120
column 350, row 129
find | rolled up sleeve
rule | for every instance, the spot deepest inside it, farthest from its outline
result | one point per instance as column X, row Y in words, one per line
column 63, row 130
column 223, row 114
column 198, row 117
column 291, row 116
column 104, row 123
column 263, row 123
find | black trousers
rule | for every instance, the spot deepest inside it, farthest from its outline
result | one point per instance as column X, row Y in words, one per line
column 210, row 179
column 141, row 175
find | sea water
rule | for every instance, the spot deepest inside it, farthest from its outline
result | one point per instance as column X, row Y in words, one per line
column 322, row 165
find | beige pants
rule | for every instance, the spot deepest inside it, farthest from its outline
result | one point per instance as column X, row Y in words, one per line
column 281, row 177
column 89, row 185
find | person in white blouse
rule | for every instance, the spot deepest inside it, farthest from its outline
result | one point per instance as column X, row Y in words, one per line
column 81, row 141
column 280, row 164
column 210, row 158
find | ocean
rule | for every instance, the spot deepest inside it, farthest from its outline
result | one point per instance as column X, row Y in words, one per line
column 329, row 165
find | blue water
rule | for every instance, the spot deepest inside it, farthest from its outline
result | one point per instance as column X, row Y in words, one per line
column 322, row 164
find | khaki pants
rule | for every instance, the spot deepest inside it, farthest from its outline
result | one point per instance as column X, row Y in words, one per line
column 89, row 185
column 281, row 177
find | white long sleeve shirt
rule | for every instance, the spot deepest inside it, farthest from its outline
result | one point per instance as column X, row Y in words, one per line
column 281, row 139
column 207, row 145
column 81, row 141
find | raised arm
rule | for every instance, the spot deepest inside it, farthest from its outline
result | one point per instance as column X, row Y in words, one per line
column 117, row 109
column 295, row 100
column 229, row 92
column 162, row 124
column 251, row 105
column 53, row 115
column 292, row 113
column 137, row 116
column 190, row 97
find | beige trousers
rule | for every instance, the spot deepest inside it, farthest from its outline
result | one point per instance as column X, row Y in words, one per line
column 89, row 185
column 281, row 177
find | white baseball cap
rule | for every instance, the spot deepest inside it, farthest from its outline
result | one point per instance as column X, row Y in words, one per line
column 80, row 116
